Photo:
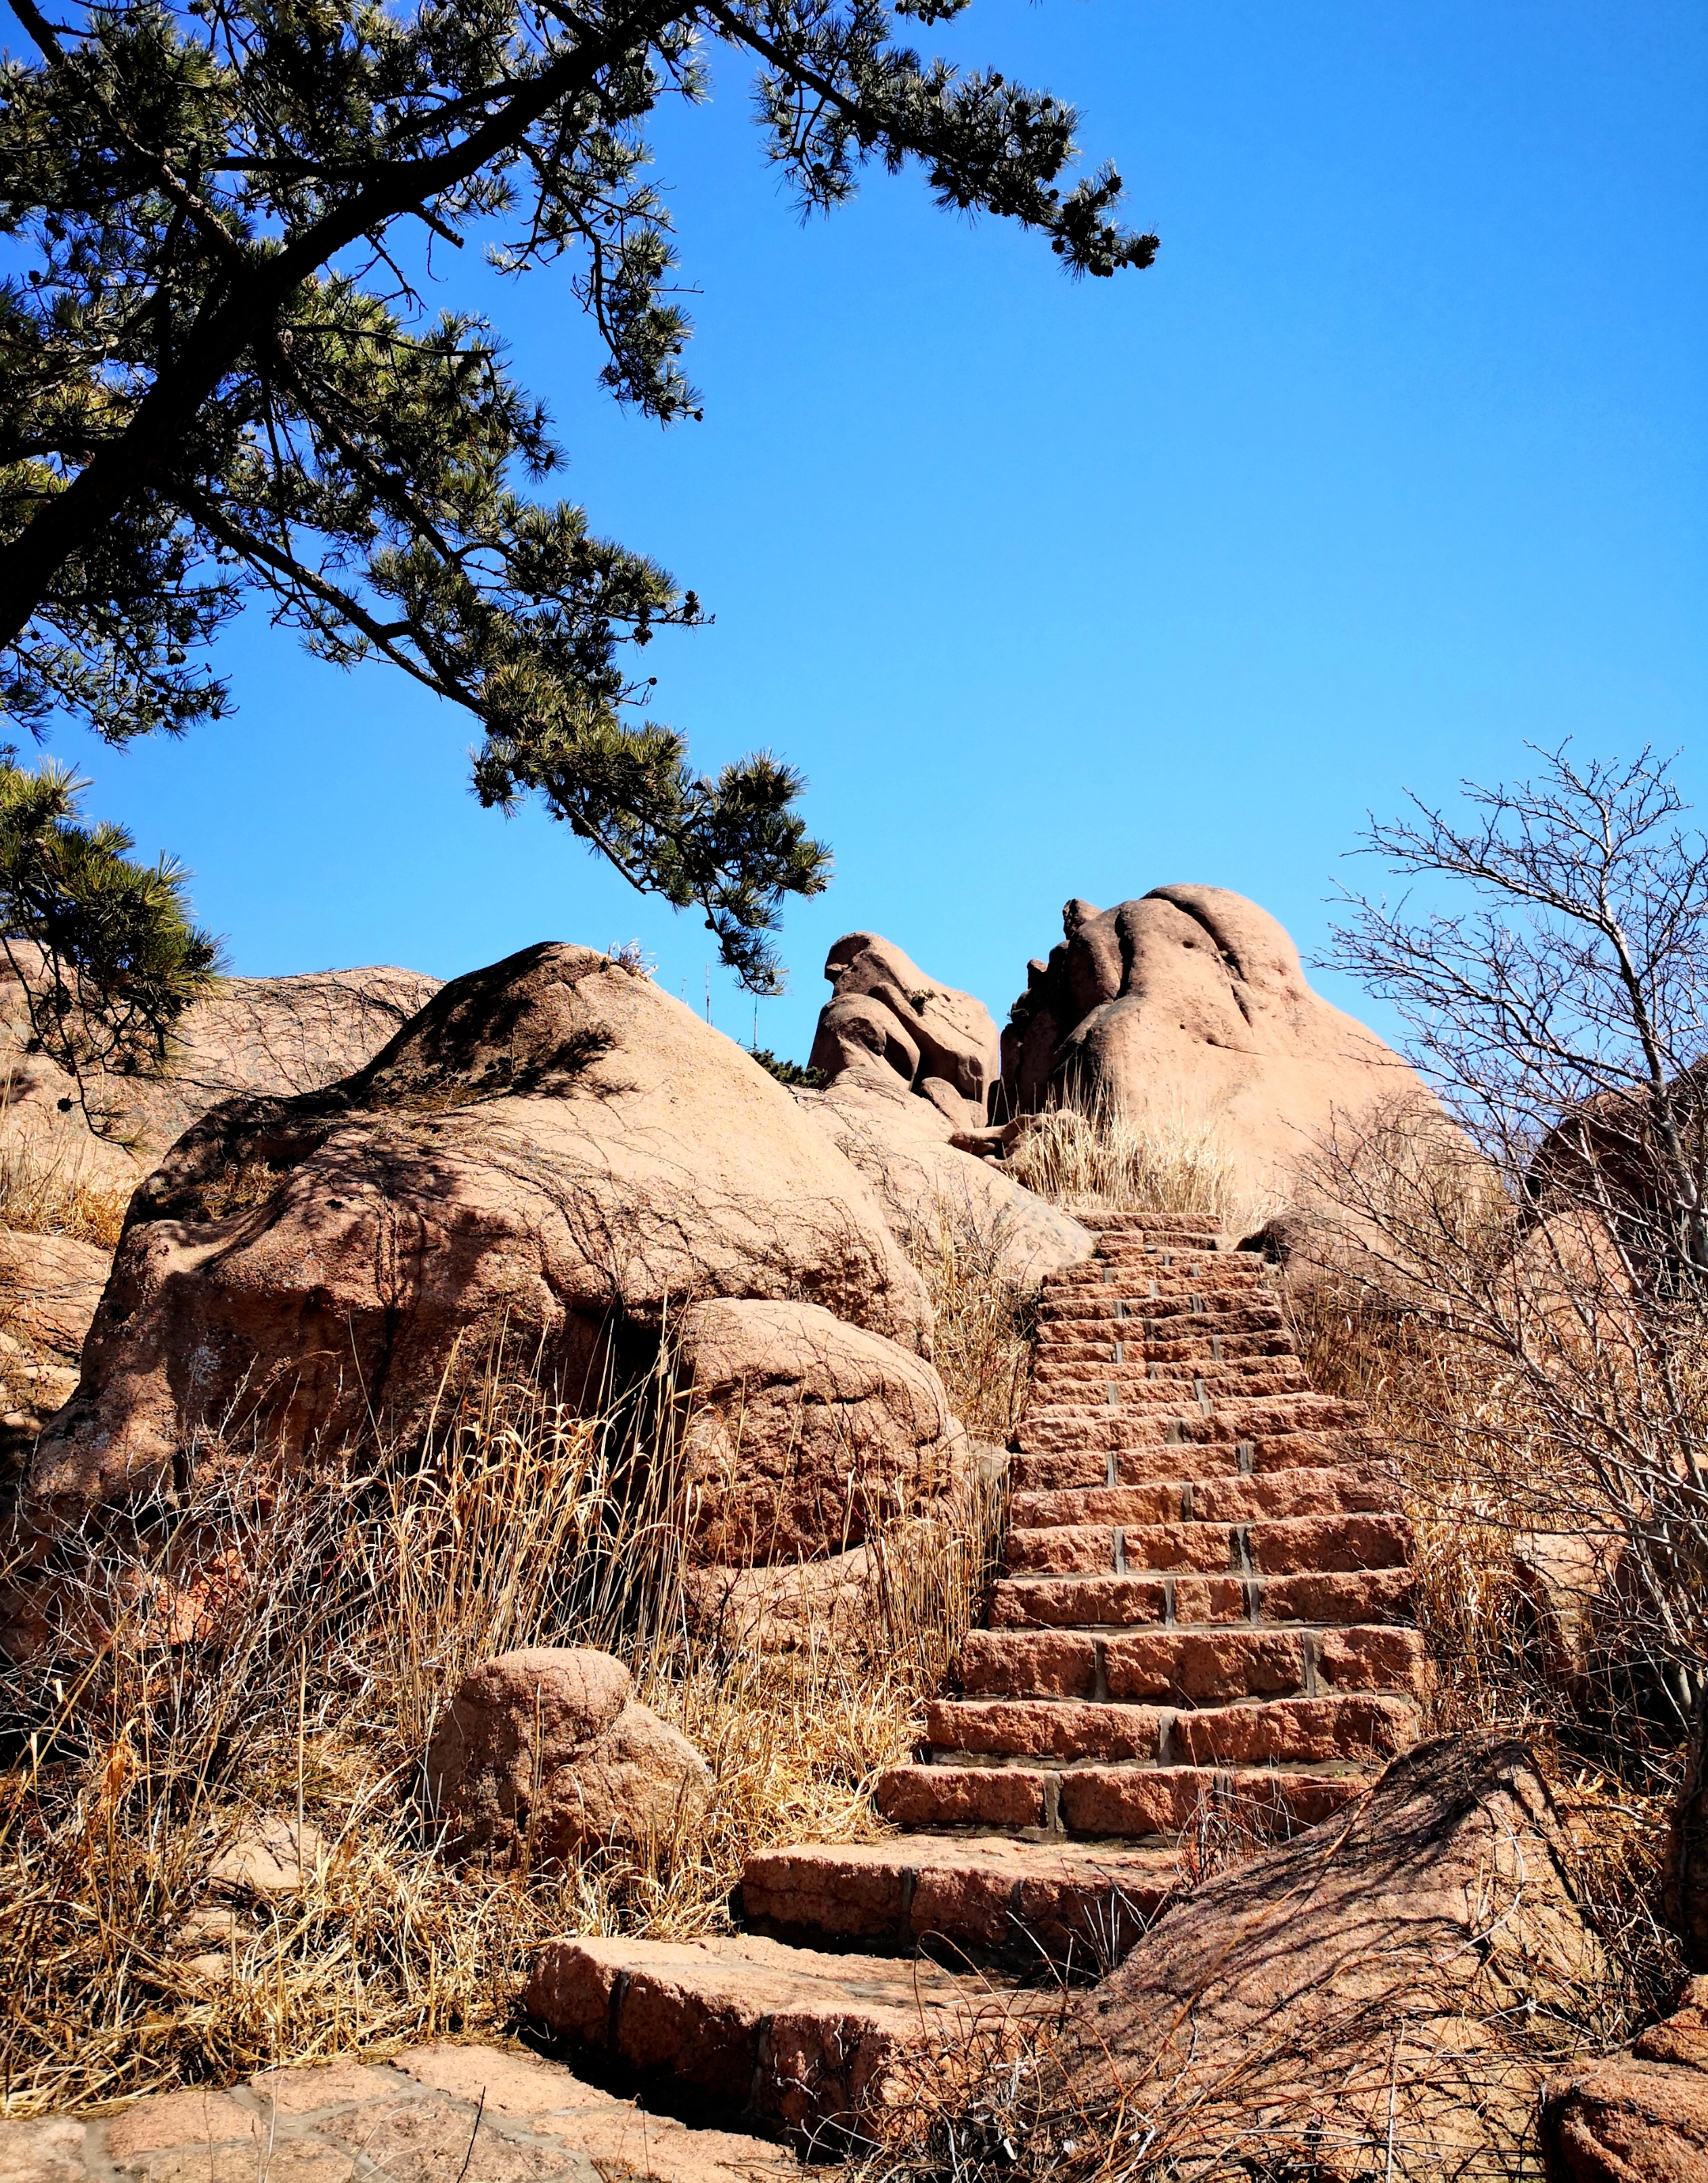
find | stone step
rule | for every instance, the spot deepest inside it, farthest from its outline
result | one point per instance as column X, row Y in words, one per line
column 994, row 1897
column 1089, row 1468
column 1204, row 1665
column 1049, row 1431
column 1362, row 1726
column 1141, row 1385
column 1290, row 1547
column 1113, row 1344
column 1194, row 1600
column 1156, row 1804
column 1105, row 1220
column 829, row 2047
column 1141, row 1275
column 1297, row 1491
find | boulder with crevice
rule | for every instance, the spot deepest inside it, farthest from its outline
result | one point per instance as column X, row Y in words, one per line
column 553, row 1153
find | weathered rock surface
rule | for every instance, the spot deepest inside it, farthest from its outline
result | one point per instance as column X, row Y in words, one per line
column 547, row 1750
column 275, row 1035
column 432, row 2114
column 553, row 1149
column 932, row 1192
column 49, row 1288
column 1382, row 1996
column 806, row 1433
column 830, row 2047
column 884, row 1009
column 1190, row 1006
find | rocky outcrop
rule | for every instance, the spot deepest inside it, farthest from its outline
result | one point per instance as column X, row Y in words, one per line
column 884, row 1009
column 550, row 1152
column 1382, row 1997
column 1190, row 1005
column 545, row 1753
column 50, row 1286
column 1637, row 2117
column 806, row 1434
column 279, row 1036
column 932, row 1192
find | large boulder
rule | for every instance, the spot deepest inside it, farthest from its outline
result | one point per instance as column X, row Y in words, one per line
column 547, row 1750
column 553, row 1152
column 1190, row 1005
column 1382, row 1996
column 806, row 1434
column 882, row 1008
column 934, row 1193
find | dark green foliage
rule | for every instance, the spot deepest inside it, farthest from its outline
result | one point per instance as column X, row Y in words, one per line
column 789, row 1072
column 102, row 947
column 216, row 377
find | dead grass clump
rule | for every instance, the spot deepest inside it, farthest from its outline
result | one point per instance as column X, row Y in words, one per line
column 983, row 1318
column 283, row 1646
column 44, row 1191
column 1099, row 1153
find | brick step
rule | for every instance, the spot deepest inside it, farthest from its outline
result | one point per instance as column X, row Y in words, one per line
column 1290, row 1546
column 1234, row 1418
column 1195, row 1600
column 1299, row 1491
column 1354, row 1725
column 1104, row 1220
column 1144, row 1274
column 1205, row 1665
column 1086, row 1467
column 993, row 1896
column 822, row 2047
column 1089, row 1341
column 1137, row 1383
column 1155, row 1803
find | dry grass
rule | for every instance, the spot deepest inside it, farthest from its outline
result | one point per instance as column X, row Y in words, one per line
column 44, row 1191
column 283, row 1646
column 1164, row 1161
column 983, row 1318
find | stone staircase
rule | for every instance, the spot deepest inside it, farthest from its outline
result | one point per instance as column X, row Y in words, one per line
column 1202, row 1623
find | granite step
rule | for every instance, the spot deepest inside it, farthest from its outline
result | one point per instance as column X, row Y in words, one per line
column 992, row 1898
column 1289, row 1545
column 1123, row 1461
column 1207, row 1664
column 833, row 2049
column 1155, row 1804
column 1296, row 1490
column 1354, row 1725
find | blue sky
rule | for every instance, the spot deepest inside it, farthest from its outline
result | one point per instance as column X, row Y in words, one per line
column 1394, row 460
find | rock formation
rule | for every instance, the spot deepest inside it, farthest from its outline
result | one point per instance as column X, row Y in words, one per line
column 883, row 1008
column 933, row 1191
column 551, row 1150
column 1637, row 2117
column 1190, row 1005
column 275, row 1035
column 546, row 1751
column 806, row 1433
column 1392, row 1987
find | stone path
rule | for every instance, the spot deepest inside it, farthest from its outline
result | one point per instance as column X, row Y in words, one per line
column 437, row 2114
column 1202, row 1621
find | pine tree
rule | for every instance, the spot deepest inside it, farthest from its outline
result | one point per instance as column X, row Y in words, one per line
column 102, row 947
column 217, row 376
